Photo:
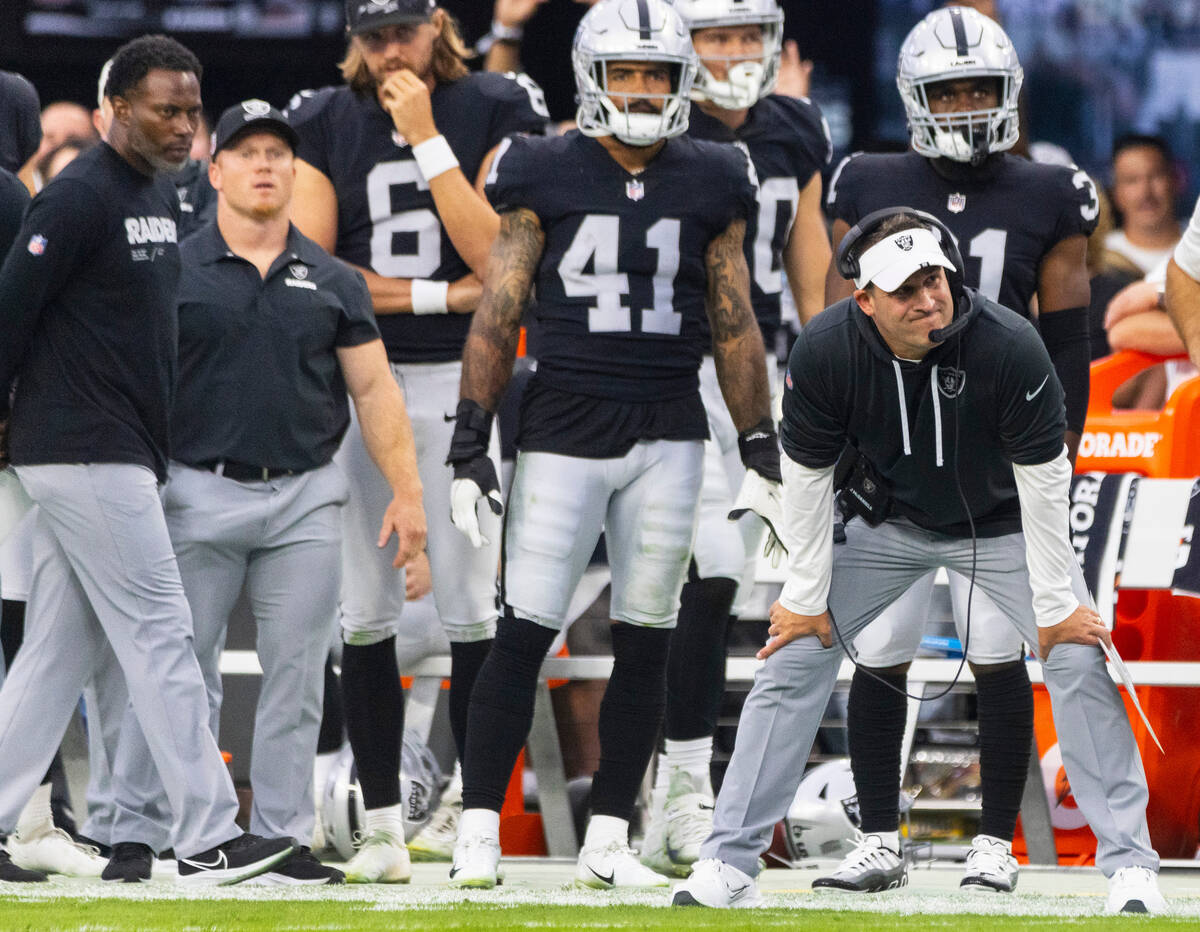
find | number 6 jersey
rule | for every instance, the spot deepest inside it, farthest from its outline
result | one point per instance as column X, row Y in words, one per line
column 621, row 285
column 387, row 220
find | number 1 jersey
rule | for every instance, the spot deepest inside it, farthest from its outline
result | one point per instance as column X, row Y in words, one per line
column 621, row 285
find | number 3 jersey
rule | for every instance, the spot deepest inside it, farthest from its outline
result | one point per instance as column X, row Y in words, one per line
column 621, row 285
column 387, row 220
column 1006, row 215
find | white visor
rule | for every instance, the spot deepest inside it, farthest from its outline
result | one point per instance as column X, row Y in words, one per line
column 890, row 262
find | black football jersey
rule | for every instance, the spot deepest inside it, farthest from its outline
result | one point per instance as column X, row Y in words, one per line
column 788, row 141
column 621, row 284
column 1007, row 215
column 387, row 220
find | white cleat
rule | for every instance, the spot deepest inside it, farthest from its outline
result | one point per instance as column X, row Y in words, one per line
column 615, row 865
column 383, row 858
column 717, row 885
column 476, row 863
column 52, row 851
column 1134, row 890
column 689, row 820
column 990, row 866
column 435, row 842
column 653, row 851
column 871, row 867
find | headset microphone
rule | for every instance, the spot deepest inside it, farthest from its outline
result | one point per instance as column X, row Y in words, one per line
column 960, row 323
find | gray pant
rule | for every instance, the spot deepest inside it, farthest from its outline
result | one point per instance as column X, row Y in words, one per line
column 870, row 571
column 105, row 579
column 281, row 539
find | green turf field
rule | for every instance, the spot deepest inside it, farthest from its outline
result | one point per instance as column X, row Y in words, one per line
column 102, row 915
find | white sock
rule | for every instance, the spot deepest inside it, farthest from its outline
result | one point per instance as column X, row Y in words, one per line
column 484, row 822
column 603, row 830
column 692, row 757
column 388, row 819
column 36, row 816
column 891, row 840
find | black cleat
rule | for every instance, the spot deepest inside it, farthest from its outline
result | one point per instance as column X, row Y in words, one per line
column 129, row 863
column 10, row 873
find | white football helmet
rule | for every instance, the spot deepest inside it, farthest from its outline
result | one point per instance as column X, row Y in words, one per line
column 628, row 31
column 748, row 81
column 343, row 815
column 823, row 816
column 952, row 43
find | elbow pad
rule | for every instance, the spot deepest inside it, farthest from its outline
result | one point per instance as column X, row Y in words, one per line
column 1065, row 334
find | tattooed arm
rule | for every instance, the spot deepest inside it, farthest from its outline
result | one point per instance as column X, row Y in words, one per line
column 736, row 339
column 492, row 343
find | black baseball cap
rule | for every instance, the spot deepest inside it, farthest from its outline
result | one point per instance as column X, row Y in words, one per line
column 250, row 115
column 365, row 15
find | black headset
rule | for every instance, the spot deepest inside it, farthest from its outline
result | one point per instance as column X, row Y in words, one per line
column 848, row 260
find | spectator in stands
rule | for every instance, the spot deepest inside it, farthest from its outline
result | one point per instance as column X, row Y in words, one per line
column 1144, row 188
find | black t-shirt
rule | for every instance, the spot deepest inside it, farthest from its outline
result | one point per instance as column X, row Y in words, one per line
column 993, row 401
column 259, row 380
column 197, row 199
column 788, row 141
column 87, row 307
column 387, row 220
column 1006, row 215
column 13, row 201
column 621, row 285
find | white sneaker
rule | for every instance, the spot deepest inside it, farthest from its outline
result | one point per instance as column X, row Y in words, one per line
column 476, row 863
column 1134, row 890
column 52, row 851
column 382, row 858
column 435, row 842
column 717, row 885
column 870, row 868
column 615, row 865
column 990, row 866
column 653, row 851
column 689, row 818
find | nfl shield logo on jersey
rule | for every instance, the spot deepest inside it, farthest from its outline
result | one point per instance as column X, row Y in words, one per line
column 635, row 190
column 37, row 244
column 956, row 203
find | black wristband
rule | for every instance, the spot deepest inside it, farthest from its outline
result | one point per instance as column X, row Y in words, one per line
column 759, row 449
column 472, row 432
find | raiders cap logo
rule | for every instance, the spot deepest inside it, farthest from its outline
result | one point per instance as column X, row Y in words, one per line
column 255, row 108
column 904, row 241
column 298, row 270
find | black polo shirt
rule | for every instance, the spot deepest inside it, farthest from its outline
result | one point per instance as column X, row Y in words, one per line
column 259, row 380
column 87, row 317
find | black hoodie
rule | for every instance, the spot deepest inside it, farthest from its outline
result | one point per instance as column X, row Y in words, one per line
column 997, row 402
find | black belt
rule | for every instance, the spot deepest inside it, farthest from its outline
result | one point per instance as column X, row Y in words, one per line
column 244, row 472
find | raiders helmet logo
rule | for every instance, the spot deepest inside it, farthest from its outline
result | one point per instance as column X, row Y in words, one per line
column 255, row 108
column 956, row 203
column 904, row 241
column 298, row 270
column 951, row 382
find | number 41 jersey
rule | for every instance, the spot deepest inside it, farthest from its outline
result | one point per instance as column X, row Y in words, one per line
column 1006, row 214
column 621, row 284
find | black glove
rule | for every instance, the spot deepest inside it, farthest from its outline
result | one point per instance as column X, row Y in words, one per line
column 474, row 472
column 759, row 449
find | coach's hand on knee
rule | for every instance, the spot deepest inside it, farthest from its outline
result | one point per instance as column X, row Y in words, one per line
column 787, row 626
column 1082, row 626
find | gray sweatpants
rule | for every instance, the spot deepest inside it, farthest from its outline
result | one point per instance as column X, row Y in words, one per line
column 870, row 571
column 282, row 540
column 105, row 579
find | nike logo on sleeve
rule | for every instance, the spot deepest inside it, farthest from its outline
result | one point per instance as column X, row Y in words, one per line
column 1029, row 396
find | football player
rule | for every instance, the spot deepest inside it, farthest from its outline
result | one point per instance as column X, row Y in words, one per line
column 1022, row 228
column 738, row 43
column 606, row 223
column 387, row 175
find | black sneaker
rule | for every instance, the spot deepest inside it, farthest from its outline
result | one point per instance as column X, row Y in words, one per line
column 129, row 863
column 302, row 869
column 238, row 859
column 10, row 873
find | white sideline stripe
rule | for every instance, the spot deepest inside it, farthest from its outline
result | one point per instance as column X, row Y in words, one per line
column 587, row 667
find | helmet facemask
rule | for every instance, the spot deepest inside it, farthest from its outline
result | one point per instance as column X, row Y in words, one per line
column 965, row 135
column 747, row 80
column 599, row 116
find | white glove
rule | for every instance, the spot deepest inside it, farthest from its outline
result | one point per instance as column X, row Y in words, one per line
column 764, row 498
column 465, row 495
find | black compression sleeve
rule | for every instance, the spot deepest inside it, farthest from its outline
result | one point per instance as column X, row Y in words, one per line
column 1065, row 334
